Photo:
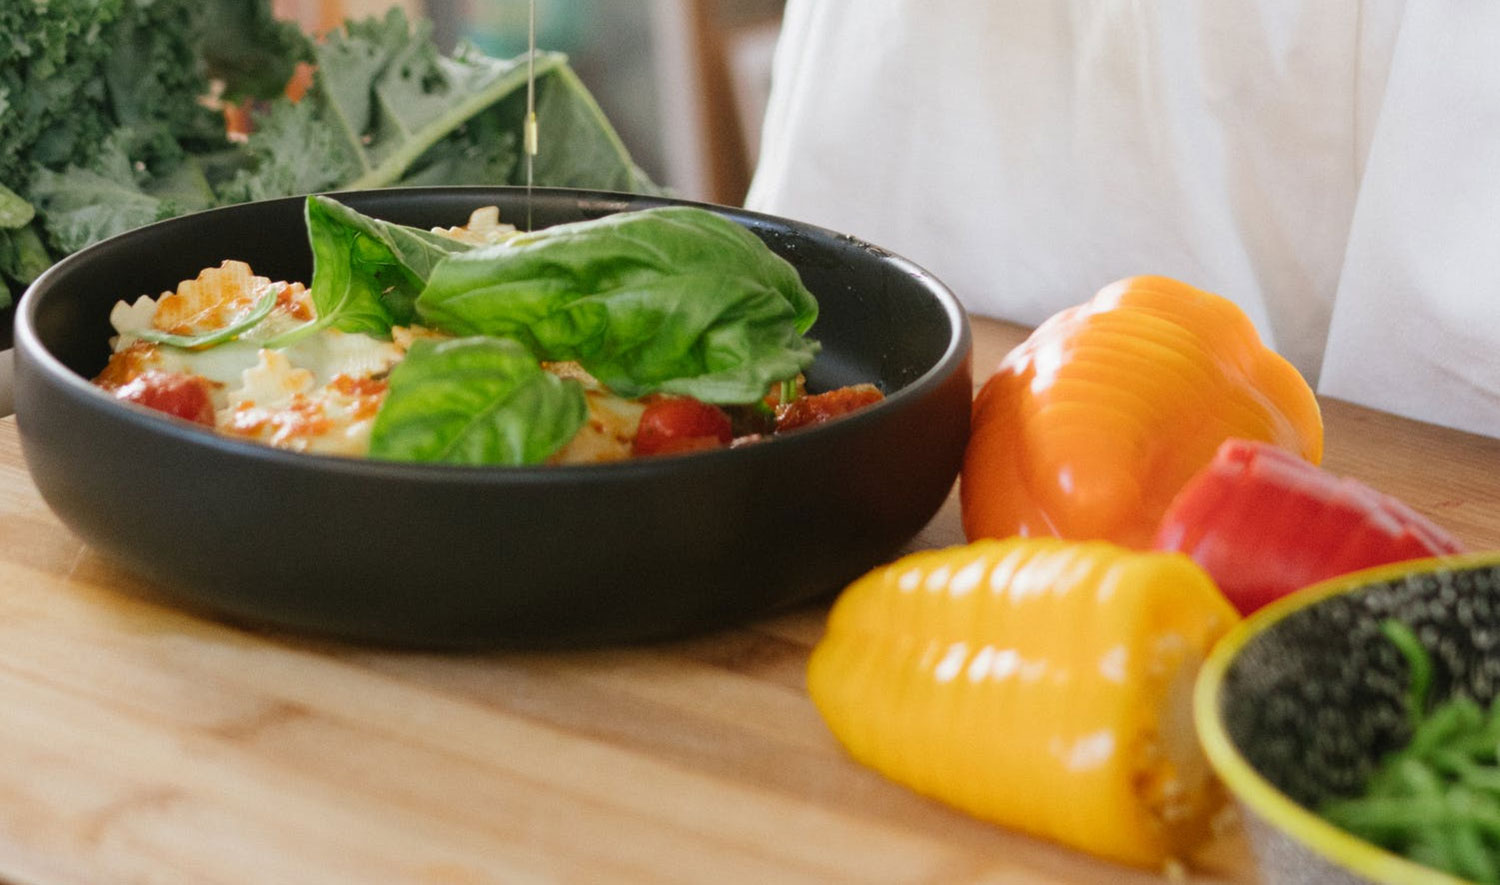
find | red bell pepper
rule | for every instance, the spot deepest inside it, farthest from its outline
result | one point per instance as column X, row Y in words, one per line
column 1263, row 523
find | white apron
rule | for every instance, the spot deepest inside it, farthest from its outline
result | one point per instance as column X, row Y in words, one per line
column 1331, row 165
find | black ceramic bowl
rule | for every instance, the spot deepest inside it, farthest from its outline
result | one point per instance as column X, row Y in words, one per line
column 1299, row 703
column 468, row 557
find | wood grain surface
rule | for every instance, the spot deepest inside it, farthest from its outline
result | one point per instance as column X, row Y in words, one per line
column 141, row 744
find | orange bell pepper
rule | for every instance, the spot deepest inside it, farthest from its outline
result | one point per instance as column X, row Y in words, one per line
column 1089, row 427
column 1040, row 684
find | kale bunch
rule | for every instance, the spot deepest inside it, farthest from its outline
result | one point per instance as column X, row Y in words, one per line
column 102, row 113
column 108, row 118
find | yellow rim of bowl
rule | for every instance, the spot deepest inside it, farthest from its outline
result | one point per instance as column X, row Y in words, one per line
column 1268, row 802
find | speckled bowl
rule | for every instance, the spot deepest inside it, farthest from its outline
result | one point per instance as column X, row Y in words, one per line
column 1302, row 699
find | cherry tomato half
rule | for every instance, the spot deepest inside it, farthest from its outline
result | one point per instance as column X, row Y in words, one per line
column 184, row 396
column 819, row 407
column 681, row 424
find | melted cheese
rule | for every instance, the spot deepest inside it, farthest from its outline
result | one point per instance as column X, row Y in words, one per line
column 282, row 405
column 216, row 298
column 224, row 295
column 324, row 356
column 484, row 228
column 320, row 394
column 317, row 395
column 608, row 432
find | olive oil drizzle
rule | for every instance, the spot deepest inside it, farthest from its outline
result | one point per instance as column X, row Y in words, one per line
column 529, row 136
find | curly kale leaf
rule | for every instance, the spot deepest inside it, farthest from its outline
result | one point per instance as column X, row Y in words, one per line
column 398, row 112
column 247, row 48
column 54, row 108
column 103, row 127
column 84, row 204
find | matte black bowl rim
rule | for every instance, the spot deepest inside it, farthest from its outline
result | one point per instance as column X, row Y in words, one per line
column 28, row 341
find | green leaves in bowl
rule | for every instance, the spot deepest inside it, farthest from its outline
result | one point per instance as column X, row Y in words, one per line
column 1436, row 800
column 475, row 401
column 675, row 300
column 366, row 272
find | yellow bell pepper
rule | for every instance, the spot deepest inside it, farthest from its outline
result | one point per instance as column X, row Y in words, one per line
column 1091, row 425
column 1040, row 684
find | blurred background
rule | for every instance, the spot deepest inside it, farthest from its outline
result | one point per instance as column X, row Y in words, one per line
column 683, row 81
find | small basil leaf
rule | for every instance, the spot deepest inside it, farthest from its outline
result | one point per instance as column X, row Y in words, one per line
column 674, row 299
column 260, row 311
column 475, row 401
column 366, row 272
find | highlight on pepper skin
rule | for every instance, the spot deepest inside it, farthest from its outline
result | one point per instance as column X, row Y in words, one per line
column 1264, row 523
column 1039, row 684
column 1089, row 427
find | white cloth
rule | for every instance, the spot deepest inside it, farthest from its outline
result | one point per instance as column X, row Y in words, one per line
column 1028, row 153
column 1416, row 324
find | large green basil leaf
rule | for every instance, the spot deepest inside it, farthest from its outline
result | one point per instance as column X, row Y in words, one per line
column 674, row 299
column 366, row 272
column 475, row 401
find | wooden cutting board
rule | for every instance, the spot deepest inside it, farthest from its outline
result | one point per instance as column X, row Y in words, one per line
column 143, row 744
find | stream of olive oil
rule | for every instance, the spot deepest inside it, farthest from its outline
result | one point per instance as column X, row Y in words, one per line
column 529, row 133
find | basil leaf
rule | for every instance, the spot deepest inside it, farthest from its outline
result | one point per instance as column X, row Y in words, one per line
column 260, row 311
column 674, row 299
column 366, row 272
column 475, row 401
